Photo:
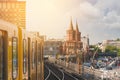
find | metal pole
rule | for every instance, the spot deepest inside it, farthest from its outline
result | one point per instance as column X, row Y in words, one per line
column 93, row 60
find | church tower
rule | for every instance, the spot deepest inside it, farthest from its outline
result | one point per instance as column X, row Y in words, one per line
column 77, row 33
column 73, row 43
column 70, row 32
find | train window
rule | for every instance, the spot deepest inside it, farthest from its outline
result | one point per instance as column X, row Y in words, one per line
column 14, row 57
column 24, row 57
column 42, row 54
column 1, row 56
column 33, row 54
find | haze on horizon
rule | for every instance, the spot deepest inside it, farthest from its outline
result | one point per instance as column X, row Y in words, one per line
column 100, row 19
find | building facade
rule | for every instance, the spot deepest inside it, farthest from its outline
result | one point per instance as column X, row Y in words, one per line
column 85, row 41
column 14, row 12
column 73, row 43
column 106, row 43
column 53, row 47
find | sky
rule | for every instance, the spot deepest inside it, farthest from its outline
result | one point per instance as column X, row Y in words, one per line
column 100, row 19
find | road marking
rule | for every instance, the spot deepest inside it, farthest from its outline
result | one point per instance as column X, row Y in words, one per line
column 48, row 74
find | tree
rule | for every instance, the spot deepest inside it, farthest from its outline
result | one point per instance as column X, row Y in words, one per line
column 94, row 51
column 118, row 39
column 57, row 55
column 95, row 48
column 118, row 52
column 112, row 49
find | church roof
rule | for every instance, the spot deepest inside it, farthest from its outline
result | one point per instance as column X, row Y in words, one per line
column 71, row 25
column 77, row 30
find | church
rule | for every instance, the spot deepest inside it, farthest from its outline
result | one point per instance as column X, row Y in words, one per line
column 72, row 44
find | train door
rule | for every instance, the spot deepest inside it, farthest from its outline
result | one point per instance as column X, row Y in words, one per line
column 29, row 59
column 40, row 62
column 36, row 61
column 1, row 56
column 33, row 57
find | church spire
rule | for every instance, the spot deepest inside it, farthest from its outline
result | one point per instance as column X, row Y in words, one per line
column 77, row 30
column 78, row 34
column 71, row 25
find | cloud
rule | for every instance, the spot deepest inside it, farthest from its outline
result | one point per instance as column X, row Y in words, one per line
column 88, row 10
column 100, row 19
column 84, row 12
column 112, row 20
column 92, row 1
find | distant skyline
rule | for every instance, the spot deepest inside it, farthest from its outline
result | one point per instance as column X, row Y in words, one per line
column 100, row 19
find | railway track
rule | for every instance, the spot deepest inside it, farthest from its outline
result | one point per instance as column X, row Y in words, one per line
column 53, row 72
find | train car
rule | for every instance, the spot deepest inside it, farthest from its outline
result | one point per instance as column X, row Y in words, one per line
column 34, row 59
column 21, row 54
column 30, row 56
column 8, row 51
column 41, row 59
column 37, row 58
column 24, row 54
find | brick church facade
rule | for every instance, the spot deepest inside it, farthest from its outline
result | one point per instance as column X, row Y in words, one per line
column 72, row 44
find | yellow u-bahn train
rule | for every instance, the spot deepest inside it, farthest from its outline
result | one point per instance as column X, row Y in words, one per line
column 21, row 54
